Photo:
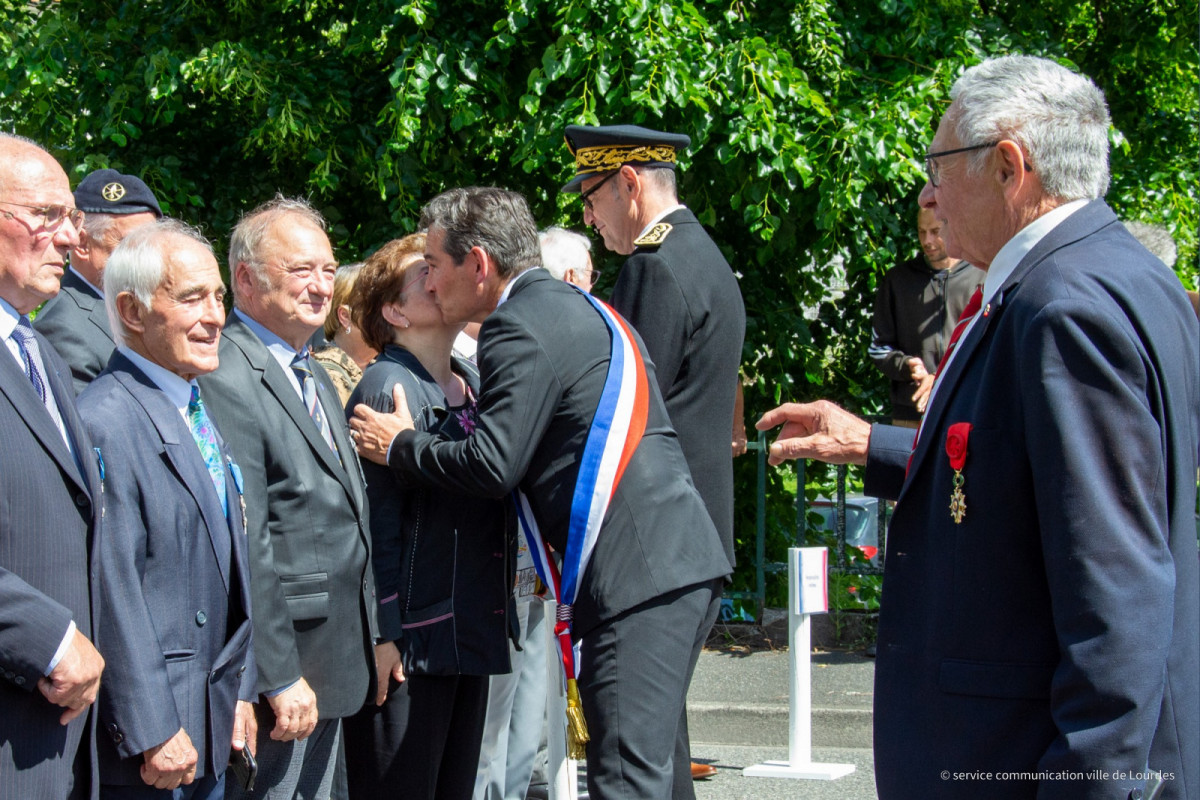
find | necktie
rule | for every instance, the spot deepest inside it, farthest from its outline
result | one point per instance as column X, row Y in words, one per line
column 35, row 369
column 206, row 440
column 308, row 386
column 964, row 320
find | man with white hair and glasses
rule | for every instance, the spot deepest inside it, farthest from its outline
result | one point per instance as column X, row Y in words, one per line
column 1040, row 631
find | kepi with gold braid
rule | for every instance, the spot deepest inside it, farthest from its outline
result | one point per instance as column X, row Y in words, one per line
column 607, row 148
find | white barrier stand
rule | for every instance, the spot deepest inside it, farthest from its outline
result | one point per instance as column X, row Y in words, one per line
column 562, row 772
column 808, row 594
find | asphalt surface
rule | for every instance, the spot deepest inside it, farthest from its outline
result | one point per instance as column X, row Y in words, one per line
column 738, row 717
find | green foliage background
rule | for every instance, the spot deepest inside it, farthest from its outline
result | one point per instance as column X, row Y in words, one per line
column 808, row 121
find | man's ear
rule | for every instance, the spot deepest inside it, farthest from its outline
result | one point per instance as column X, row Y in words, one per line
column 1011, row 168
column 244, row 280
column 131, row 312
column 84, row 248
column 478, row 259
column 631, row 180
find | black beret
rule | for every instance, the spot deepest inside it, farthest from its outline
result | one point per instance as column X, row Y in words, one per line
column 609, row 147
column 107, row 191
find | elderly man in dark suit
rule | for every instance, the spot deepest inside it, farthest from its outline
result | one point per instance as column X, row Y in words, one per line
column 1041, row 602
column 679, row 292
column 49, row 502
column 544, row 357
column 174, row 579
column 312, row 589
column 75, row 321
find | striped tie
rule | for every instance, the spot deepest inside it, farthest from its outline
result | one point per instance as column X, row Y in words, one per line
column 31, row 353
column 964, row 320
column 308, row 386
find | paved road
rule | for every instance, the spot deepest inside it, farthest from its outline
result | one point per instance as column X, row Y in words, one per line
column 738, row 717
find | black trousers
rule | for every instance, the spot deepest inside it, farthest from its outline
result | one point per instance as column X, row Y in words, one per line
column 634, row 677
column 422, row 744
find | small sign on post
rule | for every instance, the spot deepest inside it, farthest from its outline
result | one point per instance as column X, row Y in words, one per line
column 811, row 564
column 808, row 590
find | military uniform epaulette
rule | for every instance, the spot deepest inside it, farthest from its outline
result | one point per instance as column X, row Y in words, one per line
column 655, row 236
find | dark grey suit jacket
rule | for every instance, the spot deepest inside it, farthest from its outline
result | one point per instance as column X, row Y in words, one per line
column 1055, row 629
column 174, row 582
column 76, row 324
column 312, row 590
column 543, row 358
column 48, row 517
column 684, row 301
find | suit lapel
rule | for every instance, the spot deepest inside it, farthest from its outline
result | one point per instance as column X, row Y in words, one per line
column 277, row 383
column 15, row 384
column 89, row 302
column 1084, row 222
column 183, row 454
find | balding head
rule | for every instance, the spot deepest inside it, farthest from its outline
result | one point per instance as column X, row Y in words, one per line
column 32, row 251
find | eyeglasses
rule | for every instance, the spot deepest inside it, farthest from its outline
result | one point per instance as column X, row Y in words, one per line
column 587, row 196
column 52, row 216
column 422, row 273
column 933, row 169
column 593, row 275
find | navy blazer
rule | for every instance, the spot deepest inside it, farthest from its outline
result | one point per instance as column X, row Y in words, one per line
column 1055, row 629
column 76, row 323
column 312, row 588
column 174, row 579
column 49, row 513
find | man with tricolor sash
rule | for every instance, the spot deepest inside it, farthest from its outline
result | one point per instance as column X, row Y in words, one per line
column 572, row 425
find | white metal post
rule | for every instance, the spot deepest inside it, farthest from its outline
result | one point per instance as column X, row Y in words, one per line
column 800, row 763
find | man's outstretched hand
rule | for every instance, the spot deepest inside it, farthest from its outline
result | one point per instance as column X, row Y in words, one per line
column 819, row 430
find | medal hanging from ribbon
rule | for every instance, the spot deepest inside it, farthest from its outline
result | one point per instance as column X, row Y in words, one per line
column 617, row 428
column 956, row 450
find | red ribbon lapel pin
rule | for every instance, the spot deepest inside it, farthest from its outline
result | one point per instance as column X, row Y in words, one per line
column 956, row 449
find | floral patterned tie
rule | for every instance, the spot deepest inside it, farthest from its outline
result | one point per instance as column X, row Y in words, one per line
column 206, row 440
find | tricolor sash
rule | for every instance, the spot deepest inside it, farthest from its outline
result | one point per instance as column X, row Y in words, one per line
column 616, row 430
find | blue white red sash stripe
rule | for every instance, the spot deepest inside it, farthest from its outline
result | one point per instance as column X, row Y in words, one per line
column 617, row 428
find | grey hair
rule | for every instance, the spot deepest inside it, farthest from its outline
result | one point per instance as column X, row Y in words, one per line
column 662, row 179
column 1156, row 239
column 1058, row 117
column 496, row 220
column 137, row 265
column 97, row 226
column 563, row 250
column 247, row 238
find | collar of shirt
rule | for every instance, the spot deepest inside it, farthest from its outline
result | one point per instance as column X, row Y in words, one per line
column 177, row 390
column 8, row 321
column 1005, row 263
column 508, row 289
column 87, row 283
column 659, row 218
column 1016, row 248
column 280, row 350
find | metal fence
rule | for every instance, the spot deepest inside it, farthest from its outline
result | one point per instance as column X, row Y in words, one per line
column 838, row 563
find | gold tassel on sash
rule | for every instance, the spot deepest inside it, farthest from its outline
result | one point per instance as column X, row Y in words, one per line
column 577, row 733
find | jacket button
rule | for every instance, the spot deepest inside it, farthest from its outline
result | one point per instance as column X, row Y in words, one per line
column 81, row 500
column 242, row 670
column 1136, row 794
column 213, row 678
column 201, row 618
column 19, row 680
